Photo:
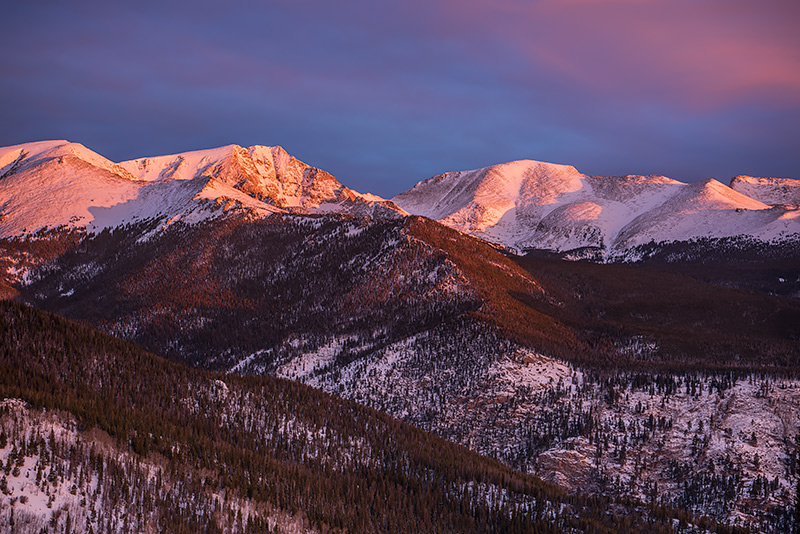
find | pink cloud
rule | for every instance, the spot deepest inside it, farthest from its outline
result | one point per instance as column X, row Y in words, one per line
column 702, row 54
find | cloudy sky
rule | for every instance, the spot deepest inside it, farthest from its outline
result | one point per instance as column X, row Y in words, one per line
column 386, row 93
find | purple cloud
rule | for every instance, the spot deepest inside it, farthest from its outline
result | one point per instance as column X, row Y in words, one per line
column 385, row 93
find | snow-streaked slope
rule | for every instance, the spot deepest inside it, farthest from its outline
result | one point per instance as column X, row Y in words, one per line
column 268, row 174
column 706, row 209
column 57, row 183
column 14, row 158
column 772, row 191
column 533, row 205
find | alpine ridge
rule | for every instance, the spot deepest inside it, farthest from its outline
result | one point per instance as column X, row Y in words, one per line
column 520, row 205
column 772, row 191
column 51, row 184
column 526, row 205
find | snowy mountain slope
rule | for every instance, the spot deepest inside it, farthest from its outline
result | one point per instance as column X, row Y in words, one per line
column 772, row 191
column 708, row 209
column 486, row 202
column 14, row 158
column 268, row 174
column 73, row 477
column 57, row 183
column 718, row 449
column 533, row 205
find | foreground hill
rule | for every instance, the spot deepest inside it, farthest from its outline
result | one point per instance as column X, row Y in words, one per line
column 90, row 446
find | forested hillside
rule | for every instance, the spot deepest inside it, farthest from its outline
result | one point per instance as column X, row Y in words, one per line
column 448, row 334
column 131, row 435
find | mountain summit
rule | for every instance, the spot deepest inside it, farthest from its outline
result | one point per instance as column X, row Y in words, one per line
column 526, row 205
column 58, row 183
column 268, row 174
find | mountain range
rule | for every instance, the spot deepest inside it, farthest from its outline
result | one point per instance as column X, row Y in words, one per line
column 528, row 205
column 522, row 205
column 668, row 381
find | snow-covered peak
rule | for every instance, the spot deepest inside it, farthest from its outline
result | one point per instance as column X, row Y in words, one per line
column 497, row 187
column 530, row 204
column 32, row 150
column 713, row 194
column 17, row 157
column 268, row 174
column 704, row 209
column 58, row 183
column 55, row 183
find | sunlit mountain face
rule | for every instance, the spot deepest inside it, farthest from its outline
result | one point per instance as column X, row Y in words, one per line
column 526, row 205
